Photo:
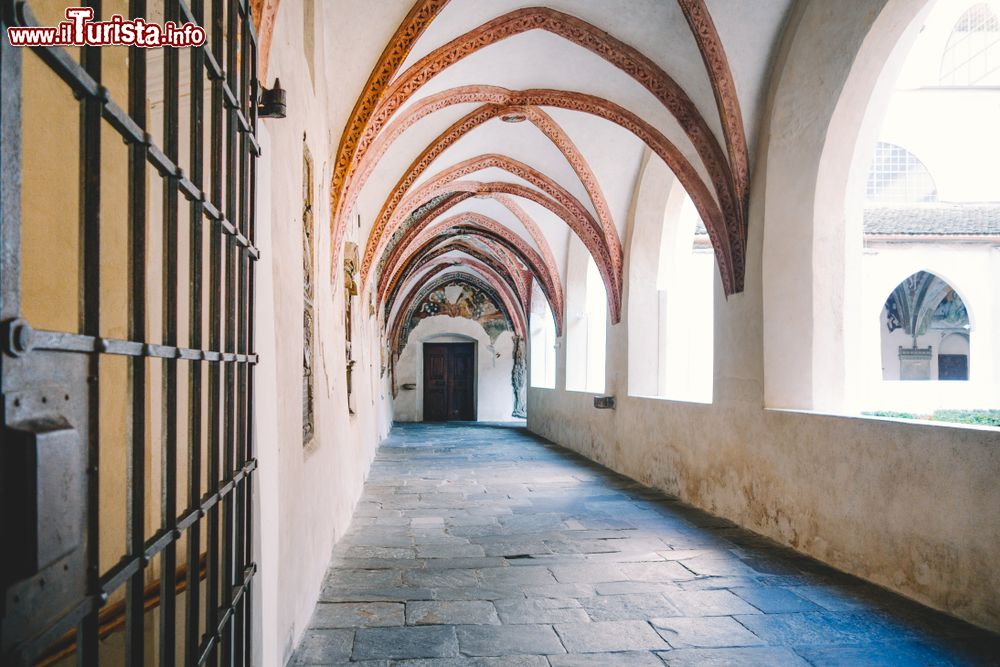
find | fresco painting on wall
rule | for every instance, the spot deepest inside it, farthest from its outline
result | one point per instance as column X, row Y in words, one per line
column 924, row 301
column 462, row 299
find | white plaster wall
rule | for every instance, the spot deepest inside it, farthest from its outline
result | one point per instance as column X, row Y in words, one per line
column 494, row 363
column 306, row 496
column 912, row 507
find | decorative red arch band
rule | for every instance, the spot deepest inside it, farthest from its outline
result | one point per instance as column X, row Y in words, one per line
column 585, row 228
column 619, row 54
column 478, row 225
column 519, row 284
column 504, row 100
column 393, row 214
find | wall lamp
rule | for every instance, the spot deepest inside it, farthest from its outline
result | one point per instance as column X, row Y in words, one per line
column 272, row 101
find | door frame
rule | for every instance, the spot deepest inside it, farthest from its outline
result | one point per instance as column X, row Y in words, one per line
column 449, row 339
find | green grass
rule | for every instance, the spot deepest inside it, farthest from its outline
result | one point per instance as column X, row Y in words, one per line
column 977, row 417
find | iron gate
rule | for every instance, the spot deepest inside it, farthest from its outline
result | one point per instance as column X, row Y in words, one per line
column 178, row 589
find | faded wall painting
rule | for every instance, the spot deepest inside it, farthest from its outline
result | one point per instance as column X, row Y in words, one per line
column 460, row 297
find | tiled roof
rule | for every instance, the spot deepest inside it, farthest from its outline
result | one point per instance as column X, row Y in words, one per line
column 927, row 220
column 934, row 219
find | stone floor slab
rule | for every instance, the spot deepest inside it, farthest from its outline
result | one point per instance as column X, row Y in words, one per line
column 619, row 659
column 408, row 642
column 609, row 636
column 323, row 647
column 733, row 657
column 540, row 610
column 492, row 640
column 710, row 632
column 357, row 614
column 451, row 612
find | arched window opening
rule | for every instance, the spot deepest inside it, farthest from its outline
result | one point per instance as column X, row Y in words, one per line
column 920, row 320
column 898, row 176
column 685, row 281
column 972, row 55
column 543, row 345
column 597, row 328
column 586, row 324
column 910, row 347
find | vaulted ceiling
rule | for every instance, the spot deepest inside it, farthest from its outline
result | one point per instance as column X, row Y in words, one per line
column 489, row 134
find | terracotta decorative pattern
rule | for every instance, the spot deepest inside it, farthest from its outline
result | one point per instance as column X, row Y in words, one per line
column 505, row 264
column 505, row 100
column 391, row 214
column 479, row 225
column 555, row 197
column 509, row 259
column 619, row 54
column 516, row 267
column 389, row 253
column 581, row 167
column 470, row 121
column 476, row 261
column 392, row 58
column 588, row 232
column 717, row 64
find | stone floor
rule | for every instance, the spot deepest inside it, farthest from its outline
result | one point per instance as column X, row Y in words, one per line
column 484, row 545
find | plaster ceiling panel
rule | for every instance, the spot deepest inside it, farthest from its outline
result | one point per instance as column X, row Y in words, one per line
column 750, row 32
column 656, row 28
column 400, row 154
column 614, row 155
column 556, row 231
column 523, row 142
column 360, row 38
column 538, row 59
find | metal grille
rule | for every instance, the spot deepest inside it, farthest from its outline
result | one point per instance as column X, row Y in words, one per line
column 898, row 176
column 972, row 55
column 178, row 590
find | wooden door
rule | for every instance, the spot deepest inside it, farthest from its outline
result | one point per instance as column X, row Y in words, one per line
column 449, row 382
column 953, row 367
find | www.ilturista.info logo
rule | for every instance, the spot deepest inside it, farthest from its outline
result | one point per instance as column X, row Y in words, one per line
column 79, row 29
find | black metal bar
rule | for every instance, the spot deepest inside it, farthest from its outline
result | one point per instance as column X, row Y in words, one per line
column 193, row 600
column 58, row 341
column 90, row 221
column 213, row 570
column 135, row 533
column 229, row 435
column 168, row 501
column 10, row 175
column 241, row 554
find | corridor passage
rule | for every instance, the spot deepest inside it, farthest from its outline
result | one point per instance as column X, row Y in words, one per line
column 484, row 545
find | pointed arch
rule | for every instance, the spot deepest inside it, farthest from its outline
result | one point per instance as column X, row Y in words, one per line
column 730, row 264
column 617, row 53
column 415, row 236
column 486, row 228
column 518, row 308
column 472, row 258
column 398, row 333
